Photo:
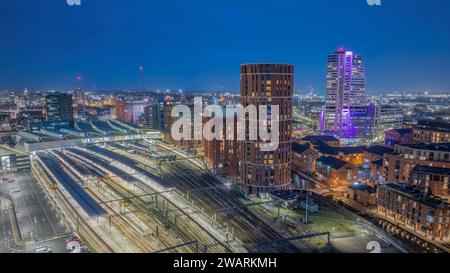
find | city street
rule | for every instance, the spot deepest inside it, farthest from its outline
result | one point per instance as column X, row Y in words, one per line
column 31, row 218
column 6, row 234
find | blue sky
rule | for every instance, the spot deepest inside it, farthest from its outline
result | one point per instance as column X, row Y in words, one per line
column 197, row 44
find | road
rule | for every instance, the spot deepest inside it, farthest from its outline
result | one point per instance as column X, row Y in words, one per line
column 31, row 218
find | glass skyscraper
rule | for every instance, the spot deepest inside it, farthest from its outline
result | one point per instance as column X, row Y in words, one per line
column 346, row 113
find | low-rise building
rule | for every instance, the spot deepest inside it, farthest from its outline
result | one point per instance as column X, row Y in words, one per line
column 336, row 172
column 376, row 172
column 221, row 156
column 423, row 134
column 363, row 194
column 304, row 157
column 432, row 180
column 398, row 136
column 409, row 207
column 12, row 160
column 320, row 140
column 130, row 111
column 353, row 155
column 376, row 152
column 397, row 167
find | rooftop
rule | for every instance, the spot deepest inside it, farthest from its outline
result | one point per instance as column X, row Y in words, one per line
column 5, row 150
column 402, row 130
column 378, row 162
column 318, row 139
column 418, row 195
column 434, row 123
column 434, row 170
column 380, row 150
column 326, row 149
column 332, row 162
column 362, row 187
column 442, row 147
column 299, row 148
column 352, row 150
column 434, row 129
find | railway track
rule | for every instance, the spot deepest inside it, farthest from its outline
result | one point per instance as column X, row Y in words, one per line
column 183, row 220
column 248, row 227
column 94, row 242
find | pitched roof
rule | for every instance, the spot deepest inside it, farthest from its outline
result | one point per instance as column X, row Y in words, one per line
column 299, row 148
column 352, row 150
column 403, row 130
column 325, row 149
column 417, row 195
column 434, row 170
column 378, row 162
column 380, row 150
column 332, row 162
column 443, row 147
column 319, row 139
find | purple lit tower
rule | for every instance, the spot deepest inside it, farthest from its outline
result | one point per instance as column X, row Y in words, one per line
column 346, row 113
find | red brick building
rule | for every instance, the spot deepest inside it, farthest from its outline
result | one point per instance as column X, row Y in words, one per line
column 267, row 85
column 398, row 136
column 335, row 172
column 221, row 156
column 363, row 194
column 430, row 135
column 397, row 167
column 129, row 111
column 432, row 180
column 304, row 158
column 409, row 207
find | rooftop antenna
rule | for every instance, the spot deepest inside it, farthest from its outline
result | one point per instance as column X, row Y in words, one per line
column 81, row 94
column 141, row 78
column 79, row 82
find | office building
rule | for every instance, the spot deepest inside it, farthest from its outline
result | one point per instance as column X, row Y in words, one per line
column 59, row 107
column 154, row 117
column 346, row 114
column 385, row 117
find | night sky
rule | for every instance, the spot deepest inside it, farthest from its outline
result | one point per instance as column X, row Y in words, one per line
column 199, row 45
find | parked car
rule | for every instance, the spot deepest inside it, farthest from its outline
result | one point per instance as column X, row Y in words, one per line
column 43, row 249
column 15, row 190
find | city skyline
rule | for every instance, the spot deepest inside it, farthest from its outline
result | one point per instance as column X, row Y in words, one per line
column 226, row 127
column 197, row 47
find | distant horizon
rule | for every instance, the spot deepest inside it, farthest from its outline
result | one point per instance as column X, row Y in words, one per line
column 296, row 92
